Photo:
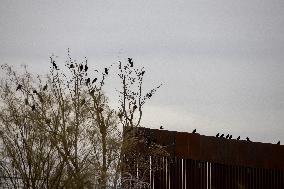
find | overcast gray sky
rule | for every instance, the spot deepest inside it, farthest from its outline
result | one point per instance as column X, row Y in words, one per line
column 221, row 62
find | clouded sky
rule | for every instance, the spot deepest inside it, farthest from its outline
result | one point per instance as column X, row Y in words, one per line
column 221, row 62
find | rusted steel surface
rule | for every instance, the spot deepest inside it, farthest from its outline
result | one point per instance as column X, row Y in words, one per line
column 220, row 150
column 202, row 162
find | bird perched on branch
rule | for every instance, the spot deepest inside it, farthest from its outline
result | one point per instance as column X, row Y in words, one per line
column 92, row 92
column 134, row 107
column 130, row 62
column 19, row 87
column 94, row 80
column 54, row 65
column 33, row 107
column 86, row 67
column 71, row 66
column 44, row 87
column 149, row 95
column 88, row 81
column 81, row 67
column 106, row 70
column 194, row 131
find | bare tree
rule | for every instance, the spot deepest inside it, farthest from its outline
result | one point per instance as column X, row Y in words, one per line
column 59, row 131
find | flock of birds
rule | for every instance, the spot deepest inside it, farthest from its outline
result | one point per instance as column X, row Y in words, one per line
column 228, row 136
column 106, row 70
column 81, row 68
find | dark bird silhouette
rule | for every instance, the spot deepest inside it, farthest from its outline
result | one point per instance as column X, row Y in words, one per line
column 130, row 62
column 248, row 139
column 34, row 91
column 194, row 131
column 44, row 87
column 54, row 65
column 217, row 135
column 149, row 95
column 94, row 80
column 119, row 67
column 33, row 107
column 106, row 71
column 278, row 142
column 222, row 135
column 88, row 81
column 161, row 127
column 86, row 67
column 71, row 66
column 19, row 87
column 134, row 107
column 143, row 72
column 230, row 137
column 81, row 67
column 227, row 136
column 92, row 92
column 238, row 138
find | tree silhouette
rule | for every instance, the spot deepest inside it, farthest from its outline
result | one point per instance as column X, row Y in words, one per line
column 59, row 131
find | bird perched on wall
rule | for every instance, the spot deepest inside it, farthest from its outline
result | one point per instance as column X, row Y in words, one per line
column 161, row 127
column 278, row 142
column 230, row 137
column 248, row 139
column 238, row 138
column 217, row 135
column 222, row 135
column 227, row 136
column 19, row 87
column 194, row 131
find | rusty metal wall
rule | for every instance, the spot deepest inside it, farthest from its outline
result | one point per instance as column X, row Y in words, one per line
column 195, row 174
column 202, row 162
